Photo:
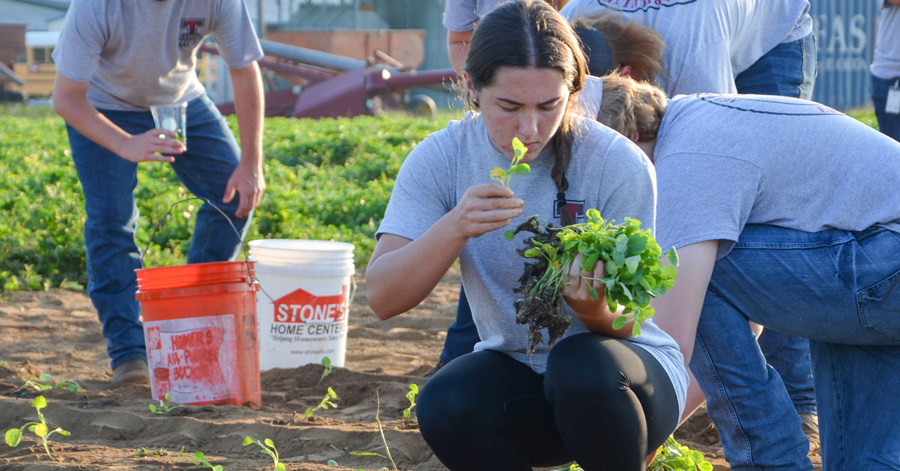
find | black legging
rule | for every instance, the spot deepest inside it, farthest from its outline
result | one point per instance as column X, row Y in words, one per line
column 605, row 403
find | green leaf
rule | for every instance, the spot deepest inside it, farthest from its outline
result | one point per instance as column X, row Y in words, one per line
column 632, row 263
column 509, row 235
column 280, row 467
column 40, row 430
column 619, row 322
column 247, row 441
column 39, row 403
column 673, row 259
column 498, row 174
column 269, row 441
column 13, row 437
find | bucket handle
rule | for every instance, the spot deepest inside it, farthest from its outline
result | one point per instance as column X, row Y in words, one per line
column 233, row 227
column 353, row 285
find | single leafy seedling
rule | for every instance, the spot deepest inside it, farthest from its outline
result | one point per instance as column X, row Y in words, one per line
column 326, row 362
column 408, row 419
column 14, row 435
column 268, row 447
column 324, row 404
column 516, row 166
column 199, row 459
column 165, row 405
column 387, row 450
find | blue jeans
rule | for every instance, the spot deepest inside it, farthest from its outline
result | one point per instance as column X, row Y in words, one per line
column 108, row 182
column 462, row 334
column 789, row 70
column 888, row 123
column 842, row 291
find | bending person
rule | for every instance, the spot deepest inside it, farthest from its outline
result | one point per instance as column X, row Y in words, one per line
column 741, row 197
column 598, row 396
column 113, row 64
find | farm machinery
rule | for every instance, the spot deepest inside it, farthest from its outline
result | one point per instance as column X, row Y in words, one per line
column 321, row 84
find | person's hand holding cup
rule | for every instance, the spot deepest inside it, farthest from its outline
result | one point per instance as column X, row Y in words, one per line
column 171, row 118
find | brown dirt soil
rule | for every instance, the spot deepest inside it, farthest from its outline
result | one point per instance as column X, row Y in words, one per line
column 57, row 333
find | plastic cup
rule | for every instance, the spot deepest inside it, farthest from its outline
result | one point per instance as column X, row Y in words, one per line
column 172, row 118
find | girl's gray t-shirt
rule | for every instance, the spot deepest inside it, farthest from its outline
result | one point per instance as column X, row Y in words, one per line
column 708, row 43
column 607, row 172
column 724, row 161
column 136, row 54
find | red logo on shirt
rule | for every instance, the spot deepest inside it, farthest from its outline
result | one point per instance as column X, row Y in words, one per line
column 191, row 32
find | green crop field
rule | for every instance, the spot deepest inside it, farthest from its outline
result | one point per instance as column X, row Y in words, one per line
column 327, row 180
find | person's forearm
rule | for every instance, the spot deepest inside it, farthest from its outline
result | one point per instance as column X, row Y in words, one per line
column 70, row 103
column 457, row 48
column 402, row 273
column 249, row 105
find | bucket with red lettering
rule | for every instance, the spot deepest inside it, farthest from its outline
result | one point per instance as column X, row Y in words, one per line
column 200, row 331
column 304, row 306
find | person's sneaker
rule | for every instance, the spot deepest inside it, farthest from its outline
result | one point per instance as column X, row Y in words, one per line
column 434, row 370
column 811, row 430
column 130, row 373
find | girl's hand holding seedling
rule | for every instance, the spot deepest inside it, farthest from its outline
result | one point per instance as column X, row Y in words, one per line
column 584, row 293
column 485, row 208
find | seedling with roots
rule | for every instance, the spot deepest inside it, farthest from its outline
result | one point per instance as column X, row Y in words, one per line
column 268, row 447
column 165, row 405
column 516, row 167
column 324, row 404
column 633, row 272
column 14, row 435
column 408, row 419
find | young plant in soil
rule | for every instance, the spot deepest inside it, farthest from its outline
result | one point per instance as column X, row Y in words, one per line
column 165, row 405
column 673, row 456
column 324, row 404
column 408, row 419
column 326, row 362
column 633, row 275
column 268, row 447
column 45, row 383
column 14, row 435
column 199, row 459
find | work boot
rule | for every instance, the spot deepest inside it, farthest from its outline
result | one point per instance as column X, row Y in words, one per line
column 811, row 430
column 130, row 373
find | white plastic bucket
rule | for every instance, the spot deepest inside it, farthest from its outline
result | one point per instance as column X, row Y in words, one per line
column 304, row 301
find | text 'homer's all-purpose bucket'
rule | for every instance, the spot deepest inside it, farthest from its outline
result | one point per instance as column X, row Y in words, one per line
column 305, row 302
column 201, row 332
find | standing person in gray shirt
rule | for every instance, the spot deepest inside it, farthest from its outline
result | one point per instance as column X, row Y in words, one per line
column 599, row 396
column 785, row 213
column 116, row 58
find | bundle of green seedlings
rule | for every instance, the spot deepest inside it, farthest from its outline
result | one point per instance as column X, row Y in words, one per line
column 633, row 272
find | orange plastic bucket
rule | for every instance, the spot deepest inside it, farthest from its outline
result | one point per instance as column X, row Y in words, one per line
column 200, row 330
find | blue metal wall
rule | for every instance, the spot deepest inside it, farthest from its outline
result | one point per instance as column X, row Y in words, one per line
column 845, row 34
